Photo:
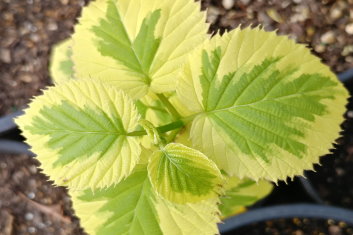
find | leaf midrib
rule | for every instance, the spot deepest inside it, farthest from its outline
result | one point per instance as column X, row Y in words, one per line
column 147, row 78
column 191, row 117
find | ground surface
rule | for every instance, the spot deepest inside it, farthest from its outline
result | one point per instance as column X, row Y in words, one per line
column 29, row 28
column 296, row 226
column 29, row 204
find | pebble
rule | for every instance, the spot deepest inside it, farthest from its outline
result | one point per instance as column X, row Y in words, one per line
column 228, row 4
column 5, row 55
column 298, row 232
column 64, row 2
column 212, row 14
column 26, row 78
column 328, row 37
column 32, row 230
column 349, row 28
column 335, row 13
column 335, row 230
column 52, row 26
column 320, row 48
column 31, row 195
column 29, row 216
column 347, row 50
column 350, row 114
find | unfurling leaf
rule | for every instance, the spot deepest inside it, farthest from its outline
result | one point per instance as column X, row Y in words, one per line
column 61, row 65
column 79, row 130
column 181, row 174
column 137, row 45
column 131, row 208
column 262, row 106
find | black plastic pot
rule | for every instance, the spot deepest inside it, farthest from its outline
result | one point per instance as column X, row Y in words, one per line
column 310, row 211
column 14, row 147
column 310, row 190
column 7, row 122
column 346, row 77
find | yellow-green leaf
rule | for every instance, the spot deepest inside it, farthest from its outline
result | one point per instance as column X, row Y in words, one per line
column 182, row 174
column 242, row 193
column 190, row 218
column 79, row 130
column 137, row 45
column 126, row 208
column 132, row 208
column 262, row 106
column 61, row 65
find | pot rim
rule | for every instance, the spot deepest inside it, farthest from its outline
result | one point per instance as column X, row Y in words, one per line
column 300, row 210
column 14, row 147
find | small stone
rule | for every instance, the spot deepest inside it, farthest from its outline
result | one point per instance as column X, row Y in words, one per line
column 228, row 4
column 328, row 37
column 33, row 169
column 302, row 14
column 298, row 232
column 29, row 216
column 41, row 225
column 52, row 26
column 5, row 55
column 349, row 28
column 335, row 230
column 212, row 14
column 32, row 230
column 347, row 50
column 26, row 78
column 335, row 13
column 31, row 195
column 350, row 114
column 320, row 48
column 349, row 59
column 64, row 2
column 297, row 1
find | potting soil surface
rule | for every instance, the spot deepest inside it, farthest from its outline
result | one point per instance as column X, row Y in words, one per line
column 295, row 226
column 29, row 204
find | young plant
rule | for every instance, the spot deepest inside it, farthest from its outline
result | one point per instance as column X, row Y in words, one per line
column 157, row 129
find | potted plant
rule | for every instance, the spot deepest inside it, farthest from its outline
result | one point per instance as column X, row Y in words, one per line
column 159, row 126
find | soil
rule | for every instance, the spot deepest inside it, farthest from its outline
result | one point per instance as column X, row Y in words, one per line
column 29, row 204
column 333, row 179
column 326, row 25
column 296, row 226
column 29, row 28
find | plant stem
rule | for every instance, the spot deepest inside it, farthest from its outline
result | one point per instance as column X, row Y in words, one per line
column 161, row 129
column 169, row 106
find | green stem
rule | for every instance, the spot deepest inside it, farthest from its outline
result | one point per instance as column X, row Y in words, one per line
column 162, row 129
column 169, row 106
